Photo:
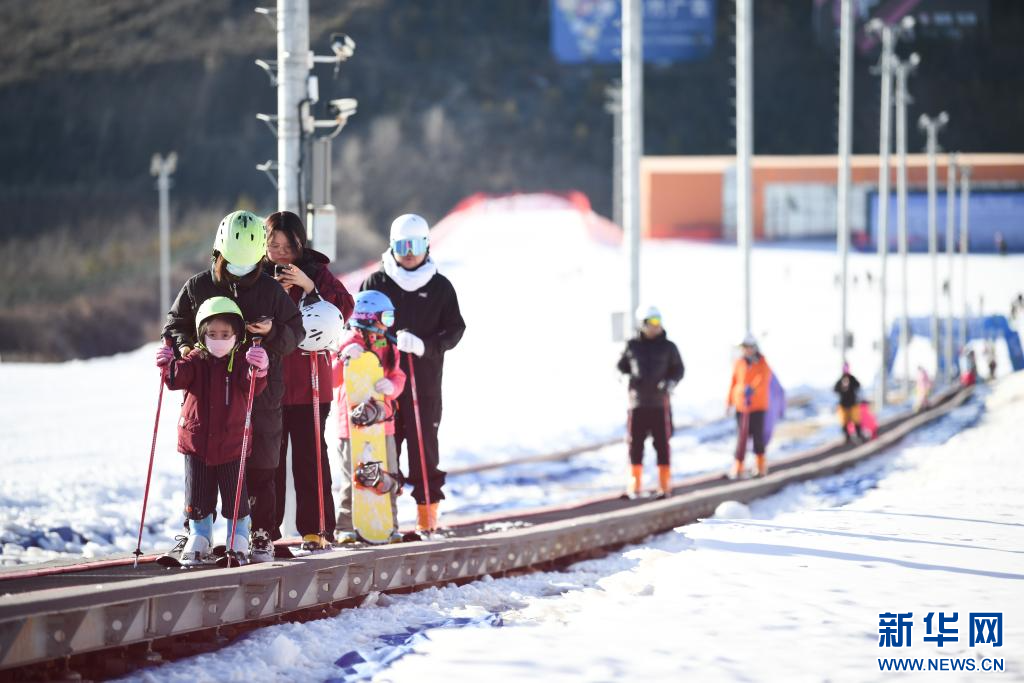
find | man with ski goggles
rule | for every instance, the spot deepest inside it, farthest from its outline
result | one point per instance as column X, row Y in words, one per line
column 429, row 323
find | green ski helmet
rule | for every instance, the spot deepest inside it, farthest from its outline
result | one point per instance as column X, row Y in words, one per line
column 217, row 305
column 241, row 238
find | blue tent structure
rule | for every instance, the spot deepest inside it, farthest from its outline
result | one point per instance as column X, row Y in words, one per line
column 989, row 327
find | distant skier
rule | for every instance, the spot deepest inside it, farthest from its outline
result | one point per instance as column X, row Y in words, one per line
column 429, row 324
column 373, row 315
column 216, row 377
column 749, row 395
column 848, row 389
column 654, row 367
column 990, row 359
column 970, row 374
column 922, row 389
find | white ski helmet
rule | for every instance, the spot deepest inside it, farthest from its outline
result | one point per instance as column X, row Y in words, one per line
column 645, row 313
column 409, row 226
column 324, row 326
column 749, row 340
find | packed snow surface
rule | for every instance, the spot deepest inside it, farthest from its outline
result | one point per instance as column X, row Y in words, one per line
column 791, row 588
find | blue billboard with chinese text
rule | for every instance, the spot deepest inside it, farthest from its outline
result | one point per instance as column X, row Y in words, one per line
column 590, row 31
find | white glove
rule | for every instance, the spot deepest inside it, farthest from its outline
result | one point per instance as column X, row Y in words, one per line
column 384, row 386
column 352, row 351
column 410, row 343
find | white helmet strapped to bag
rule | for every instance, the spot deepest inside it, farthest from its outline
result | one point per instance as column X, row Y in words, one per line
column 324, row 326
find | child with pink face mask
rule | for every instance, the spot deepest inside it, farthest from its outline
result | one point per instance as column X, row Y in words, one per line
column 215, row 376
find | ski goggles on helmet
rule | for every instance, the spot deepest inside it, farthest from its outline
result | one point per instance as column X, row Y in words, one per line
column 653, row 320
column 386, row 318
column 417, row 246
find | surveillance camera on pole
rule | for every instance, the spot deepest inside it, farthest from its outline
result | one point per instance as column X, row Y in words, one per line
column 342, row 46
column 889, row 35
column 931, row 127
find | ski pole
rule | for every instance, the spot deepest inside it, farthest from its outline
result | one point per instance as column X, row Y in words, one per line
column 245, row 446
column 419, row 436
column 315, row 381
column 152, row 453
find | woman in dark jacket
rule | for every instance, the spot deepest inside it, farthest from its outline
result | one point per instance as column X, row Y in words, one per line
column 238, row 249
column 303, row 274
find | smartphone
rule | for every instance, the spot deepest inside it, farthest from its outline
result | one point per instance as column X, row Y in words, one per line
column 280, row 269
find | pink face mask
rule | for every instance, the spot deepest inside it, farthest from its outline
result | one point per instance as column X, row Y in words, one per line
column 219, row 347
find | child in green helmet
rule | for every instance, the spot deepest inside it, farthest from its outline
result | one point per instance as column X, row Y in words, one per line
column 215, row 377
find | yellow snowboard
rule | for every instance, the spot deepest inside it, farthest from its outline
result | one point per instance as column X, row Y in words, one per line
column 371, row 511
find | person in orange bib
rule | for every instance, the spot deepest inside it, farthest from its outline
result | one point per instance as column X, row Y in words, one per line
column 748, row 396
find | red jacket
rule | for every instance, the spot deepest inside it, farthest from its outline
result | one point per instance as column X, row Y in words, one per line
column 213, row 413
column 395, row 374
column 298, row 376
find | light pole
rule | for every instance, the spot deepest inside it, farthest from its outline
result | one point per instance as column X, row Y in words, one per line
column 293, row 63
column 965, row 195
column 843, row 181
column 744, row 144
column 903, row 70
column 889, row 35
column 931, row 126
column 613, row 105
column 950, row 250
column 162, row 168
column 632, row 141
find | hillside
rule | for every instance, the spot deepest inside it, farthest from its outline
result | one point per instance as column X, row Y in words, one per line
column 456, row 97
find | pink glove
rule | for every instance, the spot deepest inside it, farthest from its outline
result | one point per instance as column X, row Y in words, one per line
column 384, row 386
column 258, row 359
column 352, row 351
column 164, row 356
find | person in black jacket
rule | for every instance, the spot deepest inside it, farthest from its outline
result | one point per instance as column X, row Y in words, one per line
column 848, row 389
column 269, row 312
column 430, row 323
column 654, row 368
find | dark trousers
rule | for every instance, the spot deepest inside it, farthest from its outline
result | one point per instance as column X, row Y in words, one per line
column 262, row 498
column 405, row 432
column 297, row 426
column 755, row 431
column 260, row 469
column 653, row 421
column 202, row 482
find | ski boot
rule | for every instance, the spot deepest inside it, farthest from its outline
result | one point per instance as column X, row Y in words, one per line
column 197, row 548
column 664, row 482
column 239, row 554
column 261, row 548
column 634, row 482
column 313, row 542
column 396, row 537
column 762, row 466
column 737, row 470
column 426, row 523
column 345, row 537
